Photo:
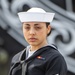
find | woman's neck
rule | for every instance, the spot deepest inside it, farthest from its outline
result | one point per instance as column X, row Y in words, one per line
column 36, row 47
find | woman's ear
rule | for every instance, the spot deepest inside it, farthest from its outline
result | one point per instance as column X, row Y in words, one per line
column 49, row 29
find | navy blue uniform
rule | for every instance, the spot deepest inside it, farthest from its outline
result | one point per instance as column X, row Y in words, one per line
column 45, row 61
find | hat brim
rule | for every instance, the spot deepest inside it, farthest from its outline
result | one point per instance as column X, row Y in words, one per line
column 35, row 17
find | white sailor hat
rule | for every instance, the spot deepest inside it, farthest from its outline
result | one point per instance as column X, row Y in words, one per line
column 36, row 15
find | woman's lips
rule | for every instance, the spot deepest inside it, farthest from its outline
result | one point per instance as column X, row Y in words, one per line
column 32, row 39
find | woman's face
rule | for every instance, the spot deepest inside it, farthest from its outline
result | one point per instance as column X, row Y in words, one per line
column 35, row 33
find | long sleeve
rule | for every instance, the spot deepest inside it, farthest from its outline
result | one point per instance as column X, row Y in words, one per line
column 56, row 67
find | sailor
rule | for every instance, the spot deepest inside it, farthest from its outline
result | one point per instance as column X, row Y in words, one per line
column 38, row 58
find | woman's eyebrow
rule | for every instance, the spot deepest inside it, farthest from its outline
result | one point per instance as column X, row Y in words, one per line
column 27, row 24
column 36, row 25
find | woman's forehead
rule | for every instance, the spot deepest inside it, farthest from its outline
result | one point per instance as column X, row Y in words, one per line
column 34, row 23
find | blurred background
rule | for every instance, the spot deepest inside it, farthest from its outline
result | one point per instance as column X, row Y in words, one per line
column 63, row 29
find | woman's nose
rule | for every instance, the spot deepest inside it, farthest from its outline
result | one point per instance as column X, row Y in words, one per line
column 32, row 31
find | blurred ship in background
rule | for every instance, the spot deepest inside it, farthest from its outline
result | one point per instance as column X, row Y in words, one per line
column 63, row 29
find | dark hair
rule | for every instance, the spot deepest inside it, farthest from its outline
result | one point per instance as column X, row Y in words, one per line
column 47, row 24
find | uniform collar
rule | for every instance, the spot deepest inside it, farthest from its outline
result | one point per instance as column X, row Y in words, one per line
column 22, row 57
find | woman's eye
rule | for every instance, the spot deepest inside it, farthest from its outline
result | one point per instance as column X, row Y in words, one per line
column 27, row 27
column 38, row 27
